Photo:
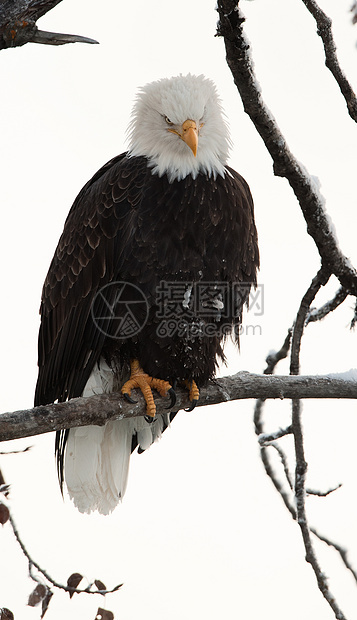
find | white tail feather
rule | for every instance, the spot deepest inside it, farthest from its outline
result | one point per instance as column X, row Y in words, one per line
column 97, row 457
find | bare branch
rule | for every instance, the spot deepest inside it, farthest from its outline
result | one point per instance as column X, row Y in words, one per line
column 18, row 24
column 324, row 30
column 341, row 550
column 354, row 12
column 230, row 26
column 15, row 452
column 99, row 409
column 318, row 281
column 301, row 464
column 322, row 493
column 331, row 305
column 273, row 358
column 284, row 462
column 56, row 38
column 265, row 439
column 44, row 573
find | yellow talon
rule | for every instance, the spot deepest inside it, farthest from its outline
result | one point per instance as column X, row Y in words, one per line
column 193, row 393
column 140, row 379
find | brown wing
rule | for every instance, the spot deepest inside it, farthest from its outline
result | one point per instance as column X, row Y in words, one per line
column 87, row 257
column 243, row 246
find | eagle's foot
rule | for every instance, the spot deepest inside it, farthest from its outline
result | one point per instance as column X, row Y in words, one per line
column 140, row 379
column 193, row 393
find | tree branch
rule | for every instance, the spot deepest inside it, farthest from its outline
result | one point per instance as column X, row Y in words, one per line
column 44, row 573
column 324, row 30
column 301, row 464
column 230, row 27
column 267, row 440
column 18, row 24
column 315, row 314
column 99, row 409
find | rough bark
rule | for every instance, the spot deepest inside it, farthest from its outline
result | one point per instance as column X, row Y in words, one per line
column 312, row 204
column 98, row 409
column 18, row 24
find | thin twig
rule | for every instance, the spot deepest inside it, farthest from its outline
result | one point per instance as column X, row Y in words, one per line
column 322, row 493
column 284, row 462
column 324, row 30
column 56, row 584
column 331, row 305
column 301, row 464
column 341, row 550
column 16, row 451
column 318, row 281
column 264, row 455
column 274, row 358
column 266, row 438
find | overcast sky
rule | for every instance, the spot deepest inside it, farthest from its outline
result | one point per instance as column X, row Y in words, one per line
column 201, row 532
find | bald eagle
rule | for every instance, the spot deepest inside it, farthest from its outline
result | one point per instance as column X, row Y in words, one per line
column 155, row 263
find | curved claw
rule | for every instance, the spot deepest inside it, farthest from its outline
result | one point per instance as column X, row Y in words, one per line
column 172, row 394
column 193, row 405
column 129, row 399
column 149, row 419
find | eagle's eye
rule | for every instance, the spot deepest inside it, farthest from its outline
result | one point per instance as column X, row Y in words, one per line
column 168, row 120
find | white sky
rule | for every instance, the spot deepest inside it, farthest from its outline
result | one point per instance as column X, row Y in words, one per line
column 201, row 532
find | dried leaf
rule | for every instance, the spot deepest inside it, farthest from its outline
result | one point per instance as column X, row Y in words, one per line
column 46, row 602
column 117, row 587
column 4, row 513
column 73, row 582
column 100, row 585
column 37, row 595
column 104, row 614
column 6, row 614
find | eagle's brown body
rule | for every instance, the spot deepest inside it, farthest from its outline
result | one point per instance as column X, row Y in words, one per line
column 187, row 246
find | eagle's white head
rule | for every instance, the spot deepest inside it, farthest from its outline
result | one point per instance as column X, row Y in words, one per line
column 178, row 125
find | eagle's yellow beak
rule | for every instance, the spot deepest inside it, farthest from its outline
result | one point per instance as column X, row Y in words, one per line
column 189, row 134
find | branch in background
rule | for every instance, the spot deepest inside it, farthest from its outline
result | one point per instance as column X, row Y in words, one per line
column 319, row 280
column 320, row 313
column 230, row 27
column 354, row 12
column 32, row 564
column 57, row 38
column 15, row 452
column 42, row 593
column 275, row 357
column 324, row 30
column 301, row 464
column 322, row 493
column 267, row 440
column 99, row 409
column 18, row 24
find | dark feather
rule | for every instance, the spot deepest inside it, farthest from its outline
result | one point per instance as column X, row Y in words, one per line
column 130, row 225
